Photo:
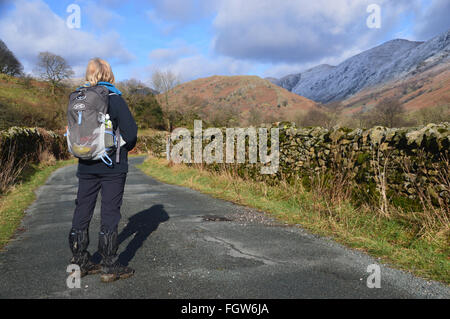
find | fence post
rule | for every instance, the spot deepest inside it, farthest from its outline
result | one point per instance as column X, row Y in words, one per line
column 168, row 147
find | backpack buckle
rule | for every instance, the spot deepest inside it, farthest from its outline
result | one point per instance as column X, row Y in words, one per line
column 106, row 159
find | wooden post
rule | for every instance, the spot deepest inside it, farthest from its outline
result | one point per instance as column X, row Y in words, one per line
column 168, row 147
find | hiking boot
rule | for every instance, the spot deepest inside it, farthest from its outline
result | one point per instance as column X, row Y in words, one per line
column 79, row 241
column 107, row 247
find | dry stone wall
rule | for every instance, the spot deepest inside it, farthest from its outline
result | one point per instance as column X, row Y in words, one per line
column 408, row 160
column 29, row 143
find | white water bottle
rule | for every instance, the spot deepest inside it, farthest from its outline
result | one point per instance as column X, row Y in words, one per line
column 109, row 132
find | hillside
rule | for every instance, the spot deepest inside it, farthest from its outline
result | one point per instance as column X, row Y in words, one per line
column 27, row 102
column 237, row 100
column 392, row 60
column 427, row 89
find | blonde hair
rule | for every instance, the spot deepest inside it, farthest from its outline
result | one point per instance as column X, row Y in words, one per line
column 99, row 70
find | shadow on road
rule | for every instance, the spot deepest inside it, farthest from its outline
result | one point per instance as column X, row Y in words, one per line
column 141, row 225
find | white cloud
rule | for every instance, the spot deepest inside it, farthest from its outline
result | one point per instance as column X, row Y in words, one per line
column 198, row 66
column 195, row 66
column 272, row 36
column 432, row 20
column 300, row 31
column 184, row 11
column 188, row 62
column 171, row 15
column 279, row 70
column 163, row 25
column 100, row 15
column 32, row 27
column 170, row 55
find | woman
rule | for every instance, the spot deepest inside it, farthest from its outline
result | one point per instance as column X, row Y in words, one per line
column 94, row 176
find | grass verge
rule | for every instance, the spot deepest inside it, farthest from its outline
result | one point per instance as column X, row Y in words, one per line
column 20, row 196
column 393, row 240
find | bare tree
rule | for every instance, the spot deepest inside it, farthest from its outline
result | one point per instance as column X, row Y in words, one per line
column 8, row 62
column 437, row 114
column 53, row 68
column 388, row 113
column 131, row 86
column 316, row 117
column 254, row 116
column 163, row 82
column 362, row 119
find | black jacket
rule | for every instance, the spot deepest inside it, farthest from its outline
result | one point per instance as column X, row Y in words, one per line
column 121, row 116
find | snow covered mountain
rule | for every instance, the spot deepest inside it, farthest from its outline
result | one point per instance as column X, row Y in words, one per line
column 389, row 61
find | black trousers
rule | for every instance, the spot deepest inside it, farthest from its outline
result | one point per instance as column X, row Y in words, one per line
column 112, row 187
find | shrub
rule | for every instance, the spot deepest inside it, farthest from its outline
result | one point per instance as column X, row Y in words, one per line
column 22, row 146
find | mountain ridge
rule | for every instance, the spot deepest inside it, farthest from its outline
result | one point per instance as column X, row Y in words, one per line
column 394, row 59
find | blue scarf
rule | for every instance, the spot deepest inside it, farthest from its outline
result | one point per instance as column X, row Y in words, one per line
column 108, row 85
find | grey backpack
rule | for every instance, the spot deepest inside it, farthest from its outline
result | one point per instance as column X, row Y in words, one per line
column 90, row 135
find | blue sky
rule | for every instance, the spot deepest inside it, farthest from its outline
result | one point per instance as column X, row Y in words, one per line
column 196, row 38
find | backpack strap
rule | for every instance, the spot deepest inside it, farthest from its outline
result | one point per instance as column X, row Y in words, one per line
column 118, row 145
column 117, row 138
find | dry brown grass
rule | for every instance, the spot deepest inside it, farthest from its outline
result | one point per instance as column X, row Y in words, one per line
column 379, row 163
column 435, row 215
column 11, row 168
column 47, row 158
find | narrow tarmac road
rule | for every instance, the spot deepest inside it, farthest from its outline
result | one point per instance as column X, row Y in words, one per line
column 184, row 244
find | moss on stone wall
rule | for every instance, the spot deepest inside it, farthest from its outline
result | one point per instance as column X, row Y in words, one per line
column 412, row 157
column 30, row 143
column 154, row 144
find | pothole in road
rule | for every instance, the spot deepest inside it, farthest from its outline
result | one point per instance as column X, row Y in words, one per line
column 215, row 218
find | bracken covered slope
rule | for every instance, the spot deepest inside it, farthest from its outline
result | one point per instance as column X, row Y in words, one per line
column 240, row 93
